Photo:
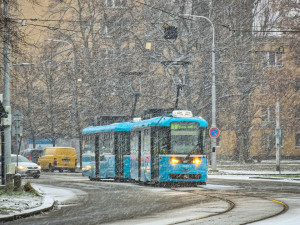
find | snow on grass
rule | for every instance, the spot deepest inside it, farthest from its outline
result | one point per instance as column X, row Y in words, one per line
column 12, row 202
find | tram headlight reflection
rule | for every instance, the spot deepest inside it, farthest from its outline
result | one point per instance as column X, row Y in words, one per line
column 197, row 161
column 88, row 167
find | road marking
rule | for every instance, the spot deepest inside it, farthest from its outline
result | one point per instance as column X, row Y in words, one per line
column 274, row 200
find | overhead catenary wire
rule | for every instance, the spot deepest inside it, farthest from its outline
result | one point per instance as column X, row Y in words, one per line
column 226, row 26
column 48, row 20
column 232, row 29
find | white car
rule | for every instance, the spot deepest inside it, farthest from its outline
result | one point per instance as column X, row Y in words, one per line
column 26, row 167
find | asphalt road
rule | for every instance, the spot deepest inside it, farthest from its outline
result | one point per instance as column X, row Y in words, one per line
column 125, row 203
column 106, row 201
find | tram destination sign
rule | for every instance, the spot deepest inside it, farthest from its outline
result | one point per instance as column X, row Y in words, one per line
column 177, row 126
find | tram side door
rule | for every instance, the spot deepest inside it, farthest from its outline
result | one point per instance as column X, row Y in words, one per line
column 154, row 155
column 97, row 152
column 139, row 154
column 119, row 147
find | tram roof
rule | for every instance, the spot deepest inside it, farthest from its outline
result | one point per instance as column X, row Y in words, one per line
column 166, row 121
column 125, row 126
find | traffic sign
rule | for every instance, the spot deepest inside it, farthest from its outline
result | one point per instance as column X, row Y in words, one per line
column 17, row 116
column 214, row 132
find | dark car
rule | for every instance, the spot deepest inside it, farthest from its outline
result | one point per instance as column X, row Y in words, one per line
column 32, row 154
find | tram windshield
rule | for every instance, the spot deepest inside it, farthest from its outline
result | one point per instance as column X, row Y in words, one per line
column 186, row 138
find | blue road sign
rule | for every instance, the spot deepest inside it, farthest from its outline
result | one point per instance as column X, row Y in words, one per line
column 214, row 132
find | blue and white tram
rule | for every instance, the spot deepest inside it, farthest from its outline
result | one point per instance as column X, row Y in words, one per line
column 165, row 149
column 111, row 145
column 169, row 149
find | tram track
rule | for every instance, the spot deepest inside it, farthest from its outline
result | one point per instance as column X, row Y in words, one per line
column 232, row 200
column 284, row 209
column 234, row 204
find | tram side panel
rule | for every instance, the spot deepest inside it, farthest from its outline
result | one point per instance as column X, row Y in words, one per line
column 126, row 161
column 107, row 166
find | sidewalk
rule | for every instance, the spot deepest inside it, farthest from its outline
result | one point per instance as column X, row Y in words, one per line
column 265, row 167
column 289, row 170
column 15, row 206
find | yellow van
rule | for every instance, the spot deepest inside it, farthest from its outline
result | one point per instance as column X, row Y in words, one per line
column 58, row 158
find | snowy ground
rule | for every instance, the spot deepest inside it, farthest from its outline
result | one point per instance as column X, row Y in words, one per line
column 26, row 203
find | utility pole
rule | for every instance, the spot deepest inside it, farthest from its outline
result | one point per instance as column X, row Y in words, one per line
column 213, row 91
column 6, row 96
column 278, row 137
column 3, row 114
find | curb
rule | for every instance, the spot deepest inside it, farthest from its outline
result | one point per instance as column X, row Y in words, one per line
column 48, row 204
column 275, row 178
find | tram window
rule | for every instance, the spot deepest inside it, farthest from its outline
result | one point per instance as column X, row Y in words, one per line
column 134, row 143
column 297, row 140
column 107, row 143
column 203, row 141
column 146, row 132
column 88, row 144
column 111, row 142
column 161, row 141
column 185, row 138
column 146, row 141
column 124, row 144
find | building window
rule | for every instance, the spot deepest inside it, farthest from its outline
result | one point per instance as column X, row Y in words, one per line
column 297, row 140
column 297, row 57
column 107, row 53
column 267, row 114
column 268, row 141
column 297, row 112
column 273, row 59
column 297, row 86
column 106, row 27
column 116, row 3
column 113, row 26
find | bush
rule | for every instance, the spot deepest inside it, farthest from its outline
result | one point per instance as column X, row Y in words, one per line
column 28, row 188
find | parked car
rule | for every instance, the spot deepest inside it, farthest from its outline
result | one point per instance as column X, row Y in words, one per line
column 58, row 158
column 32, row 154
column 26, row 167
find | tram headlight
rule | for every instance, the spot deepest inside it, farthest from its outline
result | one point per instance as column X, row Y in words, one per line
column 196, row 161
column 174, row 160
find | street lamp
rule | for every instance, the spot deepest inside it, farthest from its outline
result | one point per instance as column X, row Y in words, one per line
column 213, row 90
column 17, row 116
column 23, row 64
